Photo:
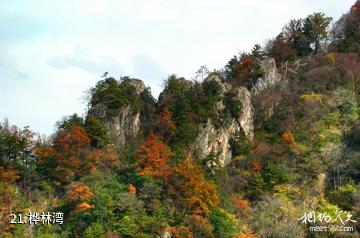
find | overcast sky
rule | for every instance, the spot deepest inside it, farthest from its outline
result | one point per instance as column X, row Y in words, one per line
column 53, row 51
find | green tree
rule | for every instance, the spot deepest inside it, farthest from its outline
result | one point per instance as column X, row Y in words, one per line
column 224, row 223
column 232, row 103
column 97, row 131
column 230, row 68
column 258, row 53
column 68, row 121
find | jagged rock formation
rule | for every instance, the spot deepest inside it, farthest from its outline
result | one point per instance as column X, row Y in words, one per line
column 271, row 77
column 216, row 140
column 123, row 123
column 122, row 127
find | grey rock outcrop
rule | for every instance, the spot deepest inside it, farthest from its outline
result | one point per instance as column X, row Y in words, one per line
column 270, row 79
column 247, row 116
column 124, row 123
column 216, row 140
column 213, row 139
column 138, row 85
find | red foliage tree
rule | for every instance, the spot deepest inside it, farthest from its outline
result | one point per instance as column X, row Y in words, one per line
column 244, row 69
column 71, row 146
column 165, row 125
column 256, row 166
column 69, row 157
column 193, row 193
column 152, row 158
column 72, row 141
column 246, row 65
column 281, row 49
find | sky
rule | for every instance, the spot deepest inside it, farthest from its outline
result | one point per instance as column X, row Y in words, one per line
column 52, row 52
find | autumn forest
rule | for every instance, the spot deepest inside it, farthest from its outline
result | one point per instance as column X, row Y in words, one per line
column 268, row 146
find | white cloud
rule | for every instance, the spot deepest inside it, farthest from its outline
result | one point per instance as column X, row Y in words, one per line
column 83, row 59
column 62, row 47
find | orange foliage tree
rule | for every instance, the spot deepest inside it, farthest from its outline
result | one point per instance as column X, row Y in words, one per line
column 70, row 145
column 78, row 196
column 104, row 158
column 192, row 192
column 69, row 157
column 181, row 232
column 152, row 158
column 132, row 189
column 240, row 203
column 248, row 234
column 289, row 138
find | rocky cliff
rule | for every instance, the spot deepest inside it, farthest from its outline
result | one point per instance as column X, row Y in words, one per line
column 216, row 140
column 270, row 78
column 125, row 122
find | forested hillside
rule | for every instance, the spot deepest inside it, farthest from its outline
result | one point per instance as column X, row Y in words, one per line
column 268, row 146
